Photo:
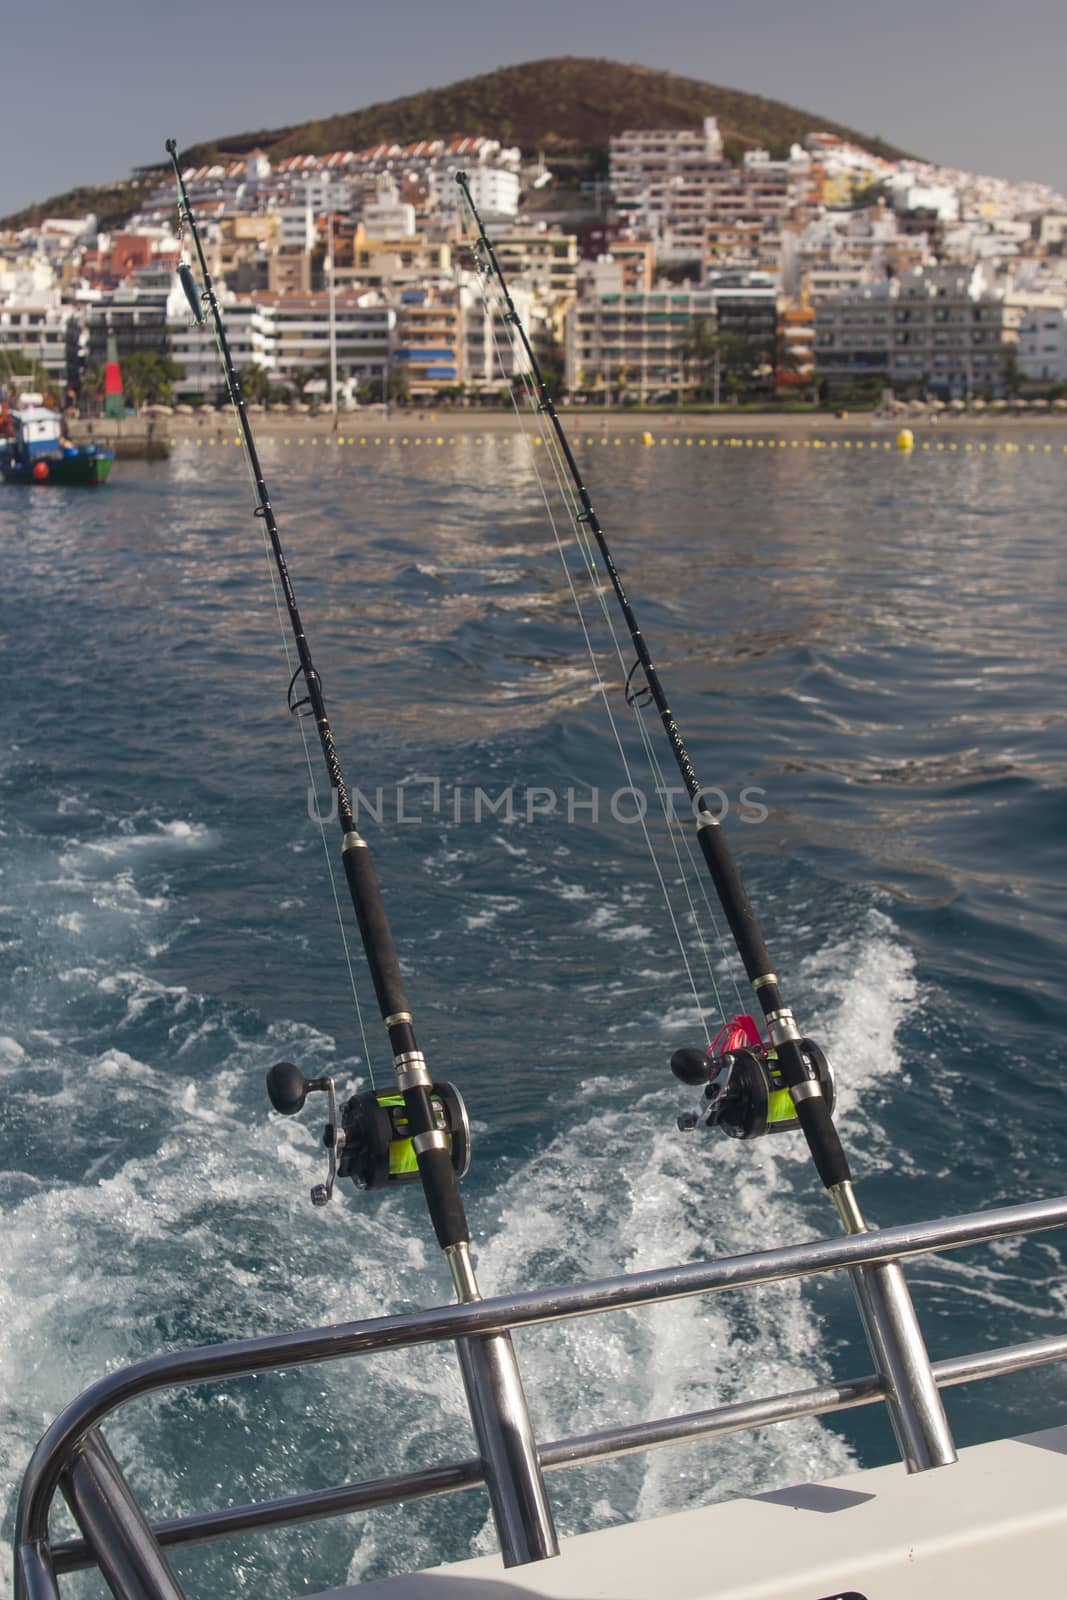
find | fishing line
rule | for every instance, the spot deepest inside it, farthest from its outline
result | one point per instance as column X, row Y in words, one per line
column 658, row 780
column 602, row 687
column 672, row 822
column 195, row 301
column 659, row 783
column 675, row 830
column 318, row 815
column 567, row 487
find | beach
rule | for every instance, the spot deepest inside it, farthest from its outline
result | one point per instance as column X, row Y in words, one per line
column 431, row 425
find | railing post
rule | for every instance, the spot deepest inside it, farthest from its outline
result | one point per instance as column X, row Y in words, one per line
column 900, row 1356
column 902, row 1361
column 501, row 1422
column 115, row 1528
column 35, row 1577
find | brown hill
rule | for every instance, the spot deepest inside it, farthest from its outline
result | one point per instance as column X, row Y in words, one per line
column 568, row 107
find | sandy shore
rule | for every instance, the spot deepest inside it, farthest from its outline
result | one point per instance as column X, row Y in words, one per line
column 371, row 422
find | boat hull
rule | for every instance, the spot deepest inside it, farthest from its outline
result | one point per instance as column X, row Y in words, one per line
column 83, row 468
column 993, row 1524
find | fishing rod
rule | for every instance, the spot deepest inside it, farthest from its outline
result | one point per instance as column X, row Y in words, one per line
column 420, row 1131
column 751, row 1088
column 799, row 1074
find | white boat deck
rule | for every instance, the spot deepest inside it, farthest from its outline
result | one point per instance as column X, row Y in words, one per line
column 991, row 1527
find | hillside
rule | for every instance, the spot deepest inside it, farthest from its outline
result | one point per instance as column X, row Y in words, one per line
column 568, row 107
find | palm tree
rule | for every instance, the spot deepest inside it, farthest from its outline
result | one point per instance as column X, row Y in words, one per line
column 702, row 348
column 91, row 386
column 255, row 384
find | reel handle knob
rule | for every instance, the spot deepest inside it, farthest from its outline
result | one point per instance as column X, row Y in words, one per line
column 287, row 1088
column 691, row 1065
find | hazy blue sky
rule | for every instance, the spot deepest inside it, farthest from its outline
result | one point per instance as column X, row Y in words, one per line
column 89, row 89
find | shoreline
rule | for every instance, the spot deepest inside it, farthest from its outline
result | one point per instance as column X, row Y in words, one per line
column 370, row 423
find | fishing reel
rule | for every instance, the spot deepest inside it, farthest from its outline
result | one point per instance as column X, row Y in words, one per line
column 743, row 1090
column 369, row 1142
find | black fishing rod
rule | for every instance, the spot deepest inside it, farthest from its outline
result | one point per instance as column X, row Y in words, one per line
column 798, row 1067
column 421, row 1130
column 751, row 1089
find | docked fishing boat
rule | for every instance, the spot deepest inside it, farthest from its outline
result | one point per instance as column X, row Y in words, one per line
column 34, row 449
column 984, row 1522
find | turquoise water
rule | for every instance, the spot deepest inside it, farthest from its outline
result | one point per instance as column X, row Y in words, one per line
column 875, row 642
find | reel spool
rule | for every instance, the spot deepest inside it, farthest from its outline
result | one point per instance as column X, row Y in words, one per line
column 378, row 1149
column 369, row 1142
column 743, row 1090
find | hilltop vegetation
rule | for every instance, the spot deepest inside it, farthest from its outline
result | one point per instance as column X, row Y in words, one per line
column 110, row 203
column 568, row 107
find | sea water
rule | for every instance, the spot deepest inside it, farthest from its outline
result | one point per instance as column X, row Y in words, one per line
column 865, row 654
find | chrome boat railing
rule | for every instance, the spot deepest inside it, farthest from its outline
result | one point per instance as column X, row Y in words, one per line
column 74, row 1457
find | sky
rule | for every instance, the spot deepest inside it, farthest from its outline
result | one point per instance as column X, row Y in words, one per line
column 93, row 88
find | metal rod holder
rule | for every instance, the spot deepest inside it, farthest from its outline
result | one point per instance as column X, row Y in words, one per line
column 912, row 1399
column 500, row 1418
column 916, row 1412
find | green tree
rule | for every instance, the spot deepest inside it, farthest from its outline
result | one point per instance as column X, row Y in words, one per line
column 700, row 353
column 13, row 364
column 147, row 378
column 747, row 362
column 255, row 385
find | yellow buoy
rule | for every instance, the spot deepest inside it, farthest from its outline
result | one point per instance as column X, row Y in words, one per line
column 905, row 439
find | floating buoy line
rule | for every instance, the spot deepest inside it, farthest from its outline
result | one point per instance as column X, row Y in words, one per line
column 499, row 439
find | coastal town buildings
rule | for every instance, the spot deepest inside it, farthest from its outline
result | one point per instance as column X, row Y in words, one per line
column 36, row 332
column 698, row 206
column 429, row 340
column 688, row 273
column 619, row 343
column 949, row 332
column 1041, row 351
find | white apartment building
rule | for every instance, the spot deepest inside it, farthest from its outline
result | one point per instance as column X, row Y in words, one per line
column 294, row 334
column 698, row 206
column 633, row 342
column 843, row 250
column 945, row 330
column 646, row 164
column 494, row 190
column 941, row 200
column 491, row 354
column 58, row 238
column 286, row 336
column 35, row 332
column 28, row 278
column 296, row 224
column 388, row 217
column 1041, row 352
column 193, row 347
column 1000, row 240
